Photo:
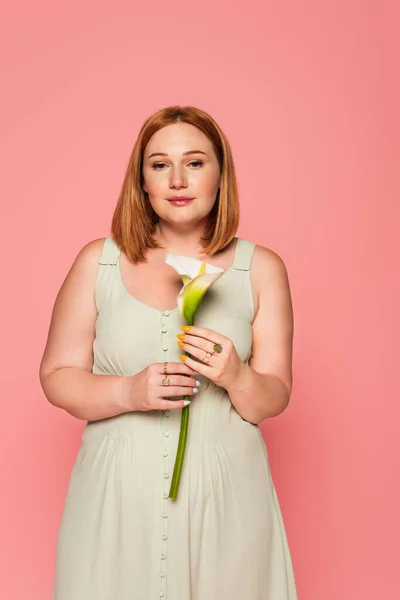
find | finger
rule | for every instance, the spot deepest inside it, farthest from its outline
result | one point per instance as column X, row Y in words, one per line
column 176, row 390
column 183, row 380
column 202, row 332
column 206, row 345
column 197, row 352
column 199, row 366
column 175, row 367
column 172, row 404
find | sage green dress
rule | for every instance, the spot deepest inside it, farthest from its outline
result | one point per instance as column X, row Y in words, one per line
column 121, row 537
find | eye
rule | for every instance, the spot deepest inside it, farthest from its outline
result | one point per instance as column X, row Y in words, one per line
column 156, row 165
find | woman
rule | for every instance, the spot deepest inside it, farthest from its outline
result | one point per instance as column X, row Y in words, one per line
column 121, row 537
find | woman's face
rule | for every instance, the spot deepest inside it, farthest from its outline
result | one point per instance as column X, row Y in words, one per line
column 184, row 164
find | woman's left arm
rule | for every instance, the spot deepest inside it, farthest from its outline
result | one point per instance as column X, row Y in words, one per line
column 262, row 389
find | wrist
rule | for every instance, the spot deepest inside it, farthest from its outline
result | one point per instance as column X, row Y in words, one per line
column 123, row 393
column 238, row 382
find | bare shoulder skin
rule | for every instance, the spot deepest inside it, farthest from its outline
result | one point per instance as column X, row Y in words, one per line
column 72, row 327
column 273, row 324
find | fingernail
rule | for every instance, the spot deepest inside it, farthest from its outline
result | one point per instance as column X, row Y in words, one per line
column 186, row 402
column 182, row 357
column 198, row 382
column 195, row 390
column 180, row 335
column 180, row 344
column 185, row 327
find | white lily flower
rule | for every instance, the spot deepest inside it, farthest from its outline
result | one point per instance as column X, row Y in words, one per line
column 197, row 277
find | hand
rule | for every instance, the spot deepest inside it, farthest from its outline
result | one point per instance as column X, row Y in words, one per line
column 223, row 367
column 147, row 392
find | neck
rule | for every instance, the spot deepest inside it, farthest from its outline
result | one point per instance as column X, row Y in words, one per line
column 184, row 240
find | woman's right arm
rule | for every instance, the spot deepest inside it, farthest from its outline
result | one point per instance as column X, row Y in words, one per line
column 66, row 366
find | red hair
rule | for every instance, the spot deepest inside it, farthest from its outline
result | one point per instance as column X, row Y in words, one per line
column 134, row 220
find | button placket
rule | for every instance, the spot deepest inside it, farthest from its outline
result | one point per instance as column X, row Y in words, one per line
column 165, row 414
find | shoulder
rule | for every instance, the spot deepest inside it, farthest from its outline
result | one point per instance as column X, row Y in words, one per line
column 273, row 298
column 86, row 262
column 91, row 252
column 80, row 280
column 267, row 266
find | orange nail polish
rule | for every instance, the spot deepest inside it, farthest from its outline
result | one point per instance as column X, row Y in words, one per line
column 182, row 357
column 181, row 344
column 180, row 335
column 185, row 327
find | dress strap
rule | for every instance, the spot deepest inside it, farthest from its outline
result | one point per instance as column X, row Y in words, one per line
column 243, row 254
column 107, row 289
column 110, row 253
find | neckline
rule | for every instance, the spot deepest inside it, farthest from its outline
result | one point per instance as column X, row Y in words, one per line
column 176, row 308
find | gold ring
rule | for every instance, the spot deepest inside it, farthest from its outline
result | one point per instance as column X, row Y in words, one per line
column 165, row 381
column 207, row 357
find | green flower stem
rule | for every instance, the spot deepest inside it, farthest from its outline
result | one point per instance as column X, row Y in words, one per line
column 176, row 476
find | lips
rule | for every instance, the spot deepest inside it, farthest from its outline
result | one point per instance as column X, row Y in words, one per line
column 179, row 198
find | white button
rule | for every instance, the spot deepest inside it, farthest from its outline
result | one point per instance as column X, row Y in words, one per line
column 166, row 476
column 162, row 574
column 167, row 413
column 165, row 348
column 164, row 516
column 163, row 557
column 166, row 433
column 161, row 593
column 164, row 329
column 165, row 453
column 166, row 313
column 165, row 495
column 164, row 537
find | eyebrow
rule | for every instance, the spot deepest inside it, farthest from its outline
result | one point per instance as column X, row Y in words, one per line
column 184, row 154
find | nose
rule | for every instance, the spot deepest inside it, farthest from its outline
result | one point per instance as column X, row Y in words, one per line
column 177, row 178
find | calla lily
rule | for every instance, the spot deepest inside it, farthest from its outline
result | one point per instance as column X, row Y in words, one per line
column 197, row 278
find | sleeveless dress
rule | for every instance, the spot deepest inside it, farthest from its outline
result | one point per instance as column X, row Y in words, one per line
column 120, row 536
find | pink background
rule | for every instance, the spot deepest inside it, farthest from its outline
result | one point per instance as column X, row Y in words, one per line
column 308, row 95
